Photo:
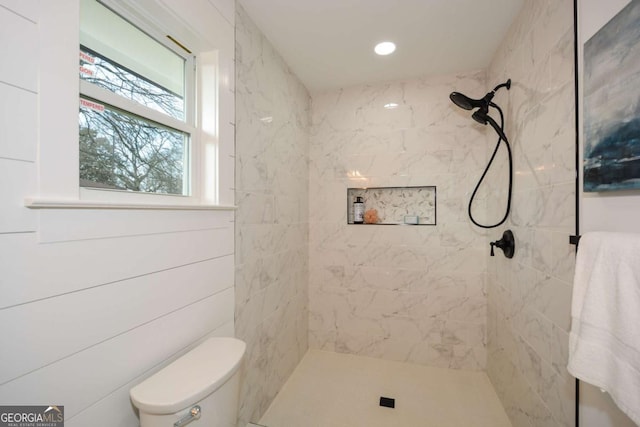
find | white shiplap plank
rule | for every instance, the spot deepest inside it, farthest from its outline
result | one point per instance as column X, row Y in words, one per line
column 17, row 178
column 19, row 51
column 83, row 378
column 76, row 321
column 60, row 225
column 18, row 113
column 118, row 403
column 32, row 271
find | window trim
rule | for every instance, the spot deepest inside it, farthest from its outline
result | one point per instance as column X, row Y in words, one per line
column 70, row 204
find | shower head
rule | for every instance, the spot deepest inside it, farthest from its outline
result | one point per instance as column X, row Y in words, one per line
column 466, row 103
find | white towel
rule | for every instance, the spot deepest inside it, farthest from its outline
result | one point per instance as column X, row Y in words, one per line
column 604, row 343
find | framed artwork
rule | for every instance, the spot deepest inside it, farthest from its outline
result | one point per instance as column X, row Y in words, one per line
column 611, row 104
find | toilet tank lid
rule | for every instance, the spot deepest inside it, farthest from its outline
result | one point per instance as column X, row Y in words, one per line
column 190, row 378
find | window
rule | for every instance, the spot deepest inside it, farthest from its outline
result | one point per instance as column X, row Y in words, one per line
column 191, row 110
column 136, row 115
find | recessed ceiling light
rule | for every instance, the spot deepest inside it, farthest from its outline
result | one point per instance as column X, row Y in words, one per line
column 391, row 106
column 385, row 48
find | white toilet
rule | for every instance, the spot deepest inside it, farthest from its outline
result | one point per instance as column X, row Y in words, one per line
column 199, row 389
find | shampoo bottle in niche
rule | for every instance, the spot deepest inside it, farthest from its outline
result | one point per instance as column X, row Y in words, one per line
column 358, row 211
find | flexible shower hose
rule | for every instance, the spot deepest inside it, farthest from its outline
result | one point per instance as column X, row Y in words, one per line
column 493, row 156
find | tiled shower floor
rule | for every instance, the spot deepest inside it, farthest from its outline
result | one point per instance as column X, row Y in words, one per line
column 339, row 390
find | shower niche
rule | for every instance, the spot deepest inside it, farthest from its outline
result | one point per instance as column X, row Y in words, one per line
column 394, row 205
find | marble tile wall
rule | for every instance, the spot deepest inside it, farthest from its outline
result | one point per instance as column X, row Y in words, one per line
column 529, row 297
column 398, row 292
column 272, row 147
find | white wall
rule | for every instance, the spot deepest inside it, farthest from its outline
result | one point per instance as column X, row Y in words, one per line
column 92, row 301
column 615, row 211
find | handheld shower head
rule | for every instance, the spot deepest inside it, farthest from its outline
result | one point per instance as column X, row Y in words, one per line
column 482, row 116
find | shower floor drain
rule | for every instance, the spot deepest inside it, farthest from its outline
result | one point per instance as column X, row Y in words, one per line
column 387, row 402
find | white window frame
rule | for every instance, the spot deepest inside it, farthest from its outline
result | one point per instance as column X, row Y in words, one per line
column 59, row 95
column 188, row 125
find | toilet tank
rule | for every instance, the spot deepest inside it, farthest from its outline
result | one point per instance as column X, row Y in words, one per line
column 207, row 376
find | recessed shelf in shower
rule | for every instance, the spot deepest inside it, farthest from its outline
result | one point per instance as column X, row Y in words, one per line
column 394, row 205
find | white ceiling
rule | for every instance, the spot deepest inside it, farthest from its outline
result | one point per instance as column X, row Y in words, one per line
column 329, row 43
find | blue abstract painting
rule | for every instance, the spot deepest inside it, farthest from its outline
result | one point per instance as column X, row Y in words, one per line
column 612, row 104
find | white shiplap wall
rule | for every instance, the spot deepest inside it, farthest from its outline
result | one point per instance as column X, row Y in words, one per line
column 93, row 301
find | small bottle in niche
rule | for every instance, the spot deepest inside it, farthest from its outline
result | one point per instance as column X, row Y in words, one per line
column 358, row 211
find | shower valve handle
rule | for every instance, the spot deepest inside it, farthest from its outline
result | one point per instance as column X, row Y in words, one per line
column 507, row 244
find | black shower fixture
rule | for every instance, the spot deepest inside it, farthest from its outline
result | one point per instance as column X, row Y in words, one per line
column 481, row 115
column 464, row 102
column 483, row 118
column 507, row 244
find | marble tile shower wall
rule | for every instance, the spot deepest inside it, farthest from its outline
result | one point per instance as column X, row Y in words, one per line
column 409, row 293
column 272, row 147
column 530, row 295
